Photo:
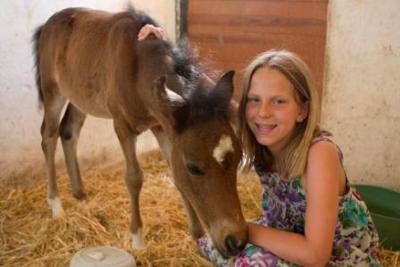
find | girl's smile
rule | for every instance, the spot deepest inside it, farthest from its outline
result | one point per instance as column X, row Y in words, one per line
column 272, row 111
column 265, row 129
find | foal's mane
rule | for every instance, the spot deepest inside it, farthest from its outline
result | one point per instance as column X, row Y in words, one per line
column 204, row 101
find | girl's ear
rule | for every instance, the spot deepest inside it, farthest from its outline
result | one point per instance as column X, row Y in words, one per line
column 303, row 112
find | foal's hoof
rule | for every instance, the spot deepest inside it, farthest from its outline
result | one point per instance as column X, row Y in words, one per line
column 80, row 195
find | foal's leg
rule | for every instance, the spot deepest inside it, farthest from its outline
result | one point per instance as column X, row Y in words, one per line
column 163, row 142
column 70, row 127
column 133, row 178
column 53, row 104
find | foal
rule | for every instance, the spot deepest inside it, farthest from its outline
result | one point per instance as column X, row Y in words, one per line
column 92, row 62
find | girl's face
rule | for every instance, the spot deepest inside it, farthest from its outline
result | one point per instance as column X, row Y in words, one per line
column 272, row 110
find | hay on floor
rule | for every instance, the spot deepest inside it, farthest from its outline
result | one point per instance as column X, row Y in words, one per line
column 29, row 237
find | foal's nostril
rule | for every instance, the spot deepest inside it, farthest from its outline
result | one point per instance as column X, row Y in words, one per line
column 232, row 246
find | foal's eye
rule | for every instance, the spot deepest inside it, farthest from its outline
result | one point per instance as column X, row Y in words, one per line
column 194, row 169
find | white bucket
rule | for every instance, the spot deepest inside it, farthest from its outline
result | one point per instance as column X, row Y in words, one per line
column 102, row 256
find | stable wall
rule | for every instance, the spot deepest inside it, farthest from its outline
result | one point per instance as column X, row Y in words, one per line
column 20, row 114
column 360, row 102
column 362, row 88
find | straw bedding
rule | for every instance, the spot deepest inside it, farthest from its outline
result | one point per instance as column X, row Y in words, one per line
column 29, row 237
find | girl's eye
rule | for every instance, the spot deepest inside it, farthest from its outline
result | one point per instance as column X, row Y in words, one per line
column 278, row 101
column 252, row 100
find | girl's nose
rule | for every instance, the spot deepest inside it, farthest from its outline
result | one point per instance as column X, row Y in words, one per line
column 264, row 110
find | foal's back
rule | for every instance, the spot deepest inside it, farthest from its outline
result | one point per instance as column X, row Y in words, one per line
column 83, row 53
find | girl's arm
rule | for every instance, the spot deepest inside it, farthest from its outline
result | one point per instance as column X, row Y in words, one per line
column 323, row 177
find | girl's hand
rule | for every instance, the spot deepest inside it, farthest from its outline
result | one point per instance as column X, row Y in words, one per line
column 149, row 29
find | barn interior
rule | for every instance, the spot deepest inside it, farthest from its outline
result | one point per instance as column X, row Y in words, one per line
column 354, row 54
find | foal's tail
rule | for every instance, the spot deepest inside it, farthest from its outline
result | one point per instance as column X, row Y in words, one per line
column 36, row 54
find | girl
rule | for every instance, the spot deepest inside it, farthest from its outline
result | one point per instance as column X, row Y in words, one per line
column 311, row 216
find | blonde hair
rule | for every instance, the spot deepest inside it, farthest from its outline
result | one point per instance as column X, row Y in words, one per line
column 293, row 161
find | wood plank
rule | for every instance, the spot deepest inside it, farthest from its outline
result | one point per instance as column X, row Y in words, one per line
column 232, row 32
column 248, row 8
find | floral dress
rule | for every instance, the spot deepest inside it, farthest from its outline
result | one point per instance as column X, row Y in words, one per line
column 284, row 203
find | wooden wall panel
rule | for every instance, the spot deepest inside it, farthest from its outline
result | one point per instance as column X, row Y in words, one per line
column 230, row 33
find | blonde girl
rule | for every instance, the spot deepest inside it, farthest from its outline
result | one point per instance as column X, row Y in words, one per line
column 311, row 216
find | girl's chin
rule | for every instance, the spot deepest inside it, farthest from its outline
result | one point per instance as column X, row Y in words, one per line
column 264, row 140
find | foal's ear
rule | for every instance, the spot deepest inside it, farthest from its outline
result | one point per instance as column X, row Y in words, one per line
column 166, row 96
column 223, row 90
column 167, row 102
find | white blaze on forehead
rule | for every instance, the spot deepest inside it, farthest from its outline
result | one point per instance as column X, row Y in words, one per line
column 224, row 146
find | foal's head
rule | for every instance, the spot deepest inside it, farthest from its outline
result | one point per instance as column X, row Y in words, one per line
column 205, row 155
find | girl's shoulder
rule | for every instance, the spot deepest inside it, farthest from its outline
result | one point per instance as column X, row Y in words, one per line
column 323, row 144
column 325, row 160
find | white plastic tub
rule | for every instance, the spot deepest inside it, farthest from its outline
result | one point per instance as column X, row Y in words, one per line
column 102, row 256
